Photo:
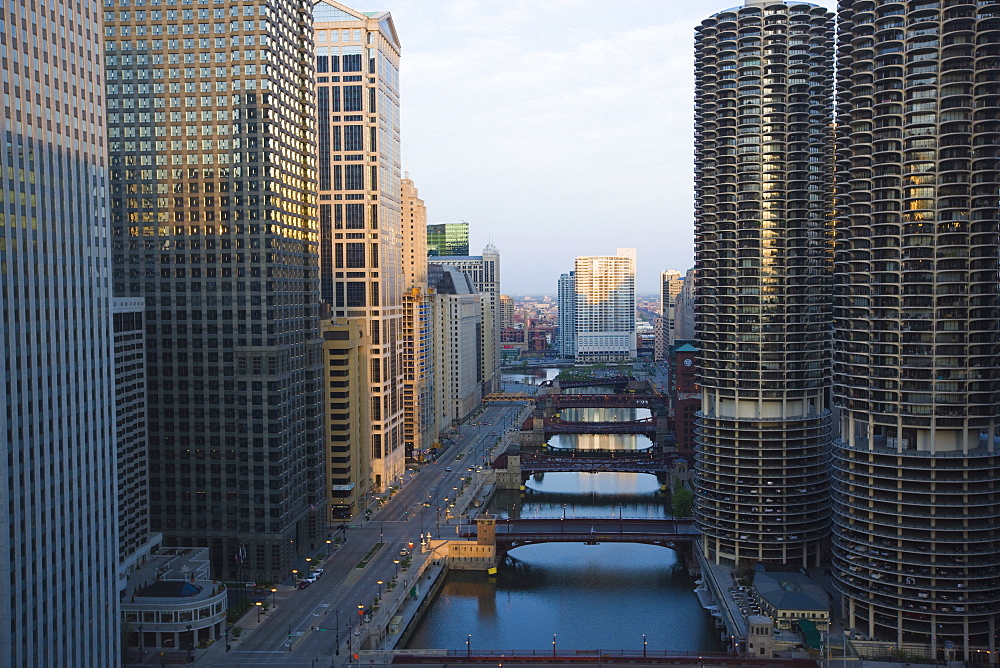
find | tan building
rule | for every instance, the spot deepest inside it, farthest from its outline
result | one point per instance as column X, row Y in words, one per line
column 419, row 426
column 346, row 416
column 362, row 276
column 505, row 312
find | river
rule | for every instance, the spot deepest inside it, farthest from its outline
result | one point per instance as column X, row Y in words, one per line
column 587, row 596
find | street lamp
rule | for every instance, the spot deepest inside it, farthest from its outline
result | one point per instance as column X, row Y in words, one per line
column 308, row 564
column 361, row 615
column 259, row 606
column 274, row 598
column 468, row 645
column 396, row 564
column 644, row 645
column 380, row 583
column 553, row 644
column 328, row 548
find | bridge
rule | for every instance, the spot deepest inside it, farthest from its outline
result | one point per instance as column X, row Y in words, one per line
column 630, row 400
column 554, row 425
column 613, row 381
column 593, row 531
column 596, row 461
column 500, row 397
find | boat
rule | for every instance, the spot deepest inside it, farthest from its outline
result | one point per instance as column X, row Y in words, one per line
column 492, row 571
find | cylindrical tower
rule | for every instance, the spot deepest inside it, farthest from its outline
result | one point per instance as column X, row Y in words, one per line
column 764, row 87
column 917, row 322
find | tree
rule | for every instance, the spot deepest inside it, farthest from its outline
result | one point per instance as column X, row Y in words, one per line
column 682, row 501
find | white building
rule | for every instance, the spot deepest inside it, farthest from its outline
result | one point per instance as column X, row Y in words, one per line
column 605, row 307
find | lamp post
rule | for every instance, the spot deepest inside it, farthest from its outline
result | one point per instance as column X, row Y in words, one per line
column 380, row 583
column 259, row 606
column 141, row 652
column 468, row 645
column 328, row 543
column 274, row 598
column 644, row 645
column 190, row 647
column 295, row 576
column 553, row 644
column 337, row 641
column 395, row 562
column 309, row 565
column 361, row 615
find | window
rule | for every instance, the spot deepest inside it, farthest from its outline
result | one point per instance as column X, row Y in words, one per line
column 354, row 177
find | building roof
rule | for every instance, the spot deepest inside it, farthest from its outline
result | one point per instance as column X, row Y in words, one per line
column 685, row 348
column 791, row 591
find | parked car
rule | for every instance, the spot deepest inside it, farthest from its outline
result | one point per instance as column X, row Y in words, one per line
column 305, row 583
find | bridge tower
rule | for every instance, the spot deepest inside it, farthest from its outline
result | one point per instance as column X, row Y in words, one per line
column 486, row 530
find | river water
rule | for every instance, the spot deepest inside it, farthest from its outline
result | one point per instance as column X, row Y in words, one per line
column 587, row 596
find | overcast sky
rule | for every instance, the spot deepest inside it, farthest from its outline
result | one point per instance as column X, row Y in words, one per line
column 556, row 128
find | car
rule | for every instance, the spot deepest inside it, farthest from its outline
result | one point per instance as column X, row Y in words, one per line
column 305, row 583
column 404, row 553
column 317, row 572
column 447, row 468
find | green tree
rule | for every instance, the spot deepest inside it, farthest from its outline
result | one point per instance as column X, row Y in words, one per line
column 682, row 501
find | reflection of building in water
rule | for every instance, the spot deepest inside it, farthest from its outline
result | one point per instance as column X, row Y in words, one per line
column 473, row 584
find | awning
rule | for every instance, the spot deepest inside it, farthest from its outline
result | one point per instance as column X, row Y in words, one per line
column 810, row 633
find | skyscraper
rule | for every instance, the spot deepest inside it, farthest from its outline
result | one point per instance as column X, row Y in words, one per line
column 916, row 544
column 605, row 307
column 60, row 534
column 566, row 300
column 211, row 142
column 448, row 239
column 484, row 273
column 357, row 80
column 763, row 86
column 420, row 426
column 671, row 283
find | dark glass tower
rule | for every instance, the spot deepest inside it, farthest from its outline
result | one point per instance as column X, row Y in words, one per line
column 212, row 150
column 917, row 322
column 764, row 85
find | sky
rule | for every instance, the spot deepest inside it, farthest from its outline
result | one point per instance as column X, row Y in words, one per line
column 555, row 128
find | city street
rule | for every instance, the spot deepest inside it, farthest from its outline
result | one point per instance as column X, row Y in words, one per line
column 303, row 628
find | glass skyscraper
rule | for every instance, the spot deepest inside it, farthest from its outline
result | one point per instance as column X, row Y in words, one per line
column 916, row 543
column 764, row 86
column 360, row 206
column 211, row 139
column 448, row 239
column 59, row 557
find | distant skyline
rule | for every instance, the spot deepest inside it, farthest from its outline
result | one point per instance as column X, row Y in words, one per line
column 556, row 128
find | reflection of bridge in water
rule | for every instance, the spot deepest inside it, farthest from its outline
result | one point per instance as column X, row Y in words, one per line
column 672, row 533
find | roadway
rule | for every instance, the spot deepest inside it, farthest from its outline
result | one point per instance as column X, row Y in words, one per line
column 302, row 628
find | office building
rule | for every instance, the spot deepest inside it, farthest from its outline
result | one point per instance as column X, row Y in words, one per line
column 211, row 142
column 505, row 312
column 684, row 309
column 916, row 541
column 763, row 86
column 484, row 273
column 605, row 307
column 448, row 239
column 348, row 472
column 457, row 310
column 566, row 301
column 671, row 283
column 60, row 553
column 419, row 426
column 135, row 540
column 360, row 210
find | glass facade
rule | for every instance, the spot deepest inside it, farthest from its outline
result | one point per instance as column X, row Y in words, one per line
column 448, row 239
column 916, row 541
column 212, row 147
column 59, row 558
column 360, row 207
column 764, row 86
